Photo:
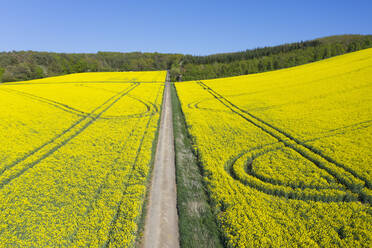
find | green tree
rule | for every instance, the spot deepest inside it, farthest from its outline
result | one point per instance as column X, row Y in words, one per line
column 1, row 74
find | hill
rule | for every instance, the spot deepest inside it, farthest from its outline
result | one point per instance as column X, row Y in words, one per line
column 286, row 154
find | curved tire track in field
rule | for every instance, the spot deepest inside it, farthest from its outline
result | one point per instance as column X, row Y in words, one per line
column 243, row 172
column 42, row 152
column 48, row 101
column 343, row 174
column 149, row 106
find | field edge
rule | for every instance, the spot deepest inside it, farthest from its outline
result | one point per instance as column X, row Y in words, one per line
column 197, row 222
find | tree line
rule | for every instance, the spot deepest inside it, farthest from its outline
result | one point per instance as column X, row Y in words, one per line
column 26, row 65
column 270, row 58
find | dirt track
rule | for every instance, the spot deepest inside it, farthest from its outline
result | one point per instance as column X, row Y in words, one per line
column 161, row 227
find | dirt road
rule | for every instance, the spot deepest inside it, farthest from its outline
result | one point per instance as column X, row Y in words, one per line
column 161, row 227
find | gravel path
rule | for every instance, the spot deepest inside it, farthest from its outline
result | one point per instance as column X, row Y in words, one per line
column 161, row 227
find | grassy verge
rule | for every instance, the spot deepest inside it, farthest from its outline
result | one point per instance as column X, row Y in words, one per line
column 197, row 223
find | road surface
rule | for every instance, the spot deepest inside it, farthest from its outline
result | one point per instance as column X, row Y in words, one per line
column 161, row 226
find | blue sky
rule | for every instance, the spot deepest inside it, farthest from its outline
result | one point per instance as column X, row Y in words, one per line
column 192, row 27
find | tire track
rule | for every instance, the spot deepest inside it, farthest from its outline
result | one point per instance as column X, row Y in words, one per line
column 240, row 168
column 80, row 113
column 130, row 174
column 344, row 175
column 103, row 185
column 148, row 105
column 61, row 106
column 53, row 103
column 329, row 133
column 16, row 169
column 342, row 130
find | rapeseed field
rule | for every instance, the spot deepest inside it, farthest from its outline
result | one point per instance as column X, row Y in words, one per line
column 75, row 156
column 286, row 155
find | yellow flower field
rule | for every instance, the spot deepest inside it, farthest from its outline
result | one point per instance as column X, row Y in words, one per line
column 103, row 77
column 75, row 156
column 287, row 154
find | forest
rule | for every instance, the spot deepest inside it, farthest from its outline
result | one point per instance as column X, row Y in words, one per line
column 27, row 65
